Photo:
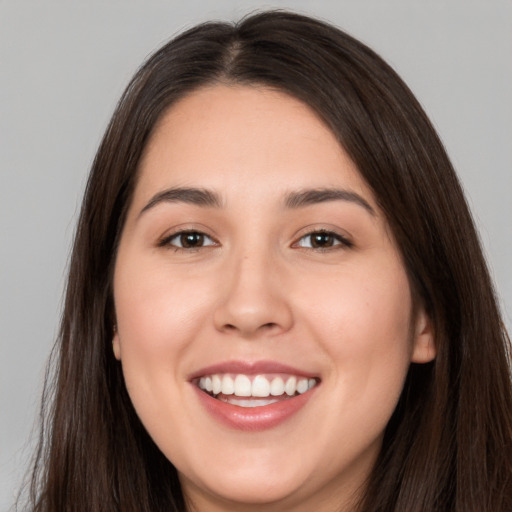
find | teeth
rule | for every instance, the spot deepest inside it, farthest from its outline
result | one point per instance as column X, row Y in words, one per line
column 291, row 386
column 247, row 402
column 228, row 385
column 277, row 387
column 261, row 386
column 242, row 386
column 216, row 384
column 302, row 386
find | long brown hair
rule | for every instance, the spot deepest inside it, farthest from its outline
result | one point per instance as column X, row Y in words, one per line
column 448, row 446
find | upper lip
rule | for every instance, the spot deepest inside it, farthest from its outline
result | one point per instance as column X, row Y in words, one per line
column 250, row 368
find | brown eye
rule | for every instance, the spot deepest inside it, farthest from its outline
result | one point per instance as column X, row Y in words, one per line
column 188, row 240
column 191, row 239
column 323, row 240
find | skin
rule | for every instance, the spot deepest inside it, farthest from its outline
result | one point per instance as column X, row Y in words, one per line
column 258, row 290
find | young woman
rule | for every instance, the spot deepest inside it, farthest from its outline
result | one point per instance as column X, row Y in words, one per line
column 277, row 299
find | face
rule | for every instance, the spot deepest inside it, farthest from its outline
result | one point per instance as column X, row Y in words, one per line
column 265, row 323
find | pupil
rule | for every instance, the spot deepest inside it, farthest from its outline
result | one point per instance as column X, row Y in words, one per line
column 191, row 239
column 322, row 240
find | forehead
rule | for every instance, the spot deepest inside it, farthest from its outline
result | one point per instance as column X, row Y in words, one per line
column 231, row 137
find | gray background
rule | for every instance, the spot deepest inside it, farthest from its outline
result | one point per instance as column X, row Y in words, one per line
column 63, row 66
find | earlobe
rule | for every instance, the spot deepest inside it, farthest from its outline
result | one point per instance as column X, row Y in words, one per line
column 116, row 346
column 424, row 349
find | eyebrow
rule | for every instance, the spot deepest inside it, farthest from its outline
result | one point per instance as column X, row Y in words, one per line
column 197, row 196
column 293, row 200
column 308, row 197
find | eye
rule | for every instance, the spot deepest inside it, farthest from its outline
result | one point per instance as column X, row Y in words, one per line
column 323, row 240
column 188, row 240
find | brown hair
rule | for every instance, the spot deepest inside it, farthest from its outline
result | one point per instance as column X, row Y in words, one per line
column 448, row 446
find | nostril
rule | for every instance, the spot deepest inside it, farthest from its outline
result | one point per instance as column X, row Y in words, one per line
column 269, row 325
column 266, row 327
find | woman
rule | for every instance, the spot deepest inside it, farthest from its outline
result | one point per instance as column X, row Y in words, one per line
column 277, row 299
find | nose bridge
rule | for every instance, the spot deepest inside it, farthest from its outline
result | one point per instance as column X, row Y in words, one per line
column 253, row 298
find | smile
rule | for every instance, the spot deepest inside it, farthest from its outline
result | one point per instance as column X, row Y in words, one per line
column 252, row 390
column 253, row 396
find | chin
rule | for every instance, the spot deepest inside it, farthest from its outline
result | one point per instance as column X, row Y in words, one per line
column 249, row 486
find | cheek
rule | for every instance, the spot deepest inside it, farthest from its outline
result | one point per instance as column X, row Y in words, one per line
column 155, row 312
column 367, row 308
column 157, row 320
column 362, row 319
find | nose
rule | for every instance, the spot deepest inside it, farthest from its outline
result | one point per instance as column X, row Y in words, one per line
column 253, row 299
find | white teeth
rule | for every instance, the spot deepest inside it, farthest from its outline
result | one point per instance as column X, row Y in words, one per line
column 291, row 386
column 302, row 386
column 247, row 402
column 216, row 384
column 228, row 385
column 277, row 387
column 261, row 386
column 242, row 386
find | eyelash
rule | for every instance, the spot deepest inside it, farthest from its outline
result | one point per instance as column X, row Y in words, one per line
column 339, row 241
column 167, row 241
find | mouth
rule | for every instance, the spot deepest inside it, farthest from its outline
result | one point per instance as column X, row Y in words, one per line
column 245, row 390
column 253, row 396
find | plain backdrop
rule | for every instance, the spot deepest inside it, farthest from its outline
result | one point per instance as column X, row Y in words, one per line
column 63, row 65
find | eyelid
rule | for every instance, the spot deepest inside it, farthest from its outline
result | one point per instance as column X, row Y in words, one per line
column 165, row 241
column 343, row 239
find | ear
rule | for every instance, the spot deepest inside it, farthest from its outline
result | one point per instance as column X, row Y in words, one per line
column 116, row 345
column 424, row 348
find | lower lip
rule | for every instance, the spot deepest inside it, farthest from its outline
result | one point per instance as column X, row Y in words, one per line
column 253, row 418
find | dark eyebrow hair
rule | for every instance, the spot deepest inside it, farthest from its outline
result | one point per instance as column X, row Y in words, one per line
column 191, row 195
column 297, row 199
column 313, row 196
